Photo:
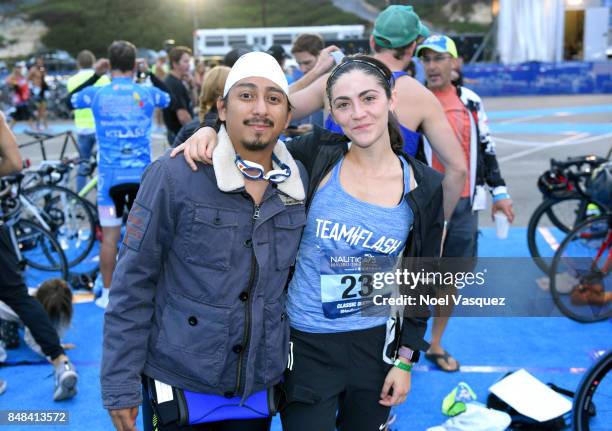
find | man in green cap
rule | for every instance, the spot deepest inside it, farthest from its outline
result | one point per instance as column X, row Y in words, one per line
column 397, row 25
column 397, row 30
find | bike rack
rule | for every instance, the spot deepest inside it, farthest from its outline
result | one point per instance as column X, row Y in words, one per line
column 41, row 138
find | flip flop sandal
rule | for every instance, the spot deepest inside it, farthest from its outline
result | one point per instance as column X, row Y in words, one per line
column 437, row 358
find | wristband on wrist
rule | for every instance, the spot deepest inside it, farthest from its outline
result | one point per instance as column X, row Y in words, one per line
column 500, row 196
column 402, row 366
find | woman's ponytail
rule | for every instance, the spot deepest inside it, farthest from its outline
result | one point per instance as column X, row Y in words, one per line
column 395, row 135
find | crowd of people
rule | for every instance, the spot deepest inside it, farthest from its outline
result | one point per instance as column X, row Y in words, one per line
column 28, row 89
column 223, row 283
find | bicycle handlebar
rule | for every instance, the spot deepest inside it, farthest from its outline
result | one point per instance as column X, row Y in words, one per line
column 8, row 189
column 41, row 135
column 577, row 169
column 5, row 191
column 10, row 205
column 578, row 162
column 61, row 167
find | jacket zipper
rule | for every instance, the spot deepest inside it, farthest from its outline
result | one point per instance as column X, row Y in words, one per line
column 247, row 311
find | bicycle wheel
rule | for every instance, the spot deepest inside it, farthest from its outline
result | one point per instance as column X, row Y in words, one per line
column 69, row 218
column 42, row 256
column 549, row 224
column 580, row 279
column 592, row 410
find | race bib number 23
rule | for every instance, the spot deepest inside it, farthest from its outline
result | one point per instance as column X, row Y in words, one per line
column 346, row 289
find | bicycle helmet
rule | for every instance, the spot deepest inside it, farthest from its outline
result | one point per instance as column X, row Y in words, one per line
column 553, row 183
column 600, row 185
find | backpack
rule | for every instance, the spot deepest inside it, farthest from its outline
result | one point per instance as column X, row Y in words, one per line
column 525, row 423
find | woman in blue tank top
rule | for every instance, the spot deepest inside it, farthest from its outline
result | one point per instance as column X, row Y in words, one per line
column 336, row 376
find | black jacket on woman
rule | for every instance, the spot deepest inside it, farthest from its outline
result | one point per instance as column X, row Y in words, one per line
column 210, row 120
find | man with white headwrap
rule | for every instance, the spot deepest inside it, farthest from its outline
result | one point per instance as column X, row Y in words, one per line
column 197, row 302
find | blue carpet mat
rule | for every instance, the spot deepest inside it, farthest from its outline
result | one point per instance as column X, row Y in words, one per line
column 553, row 349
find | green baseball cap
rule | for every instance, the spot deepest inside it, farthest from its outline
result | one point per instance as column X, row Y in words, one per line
column 424, row 31
column 438, row 43
column 397, row 26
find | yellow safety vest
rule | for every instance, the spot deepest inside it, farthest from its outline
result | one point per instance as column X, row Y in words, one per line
column 83, row 118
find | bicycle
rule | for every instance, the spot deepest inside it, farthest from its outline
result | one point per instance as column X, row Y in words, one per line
column 592, row 409
column 60, row 210
column 566, row 204
column 580, row 280
column 41, row 138
column 35, row 247
column 77, row 234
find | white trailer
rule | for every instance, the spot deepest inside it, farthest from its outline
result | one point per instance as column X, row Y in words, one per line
column 208, row 42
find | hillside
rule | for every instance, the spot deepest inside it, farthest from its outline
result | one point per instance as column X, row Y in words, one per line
column 73, row 25
column 77, row 24
column 19, row 36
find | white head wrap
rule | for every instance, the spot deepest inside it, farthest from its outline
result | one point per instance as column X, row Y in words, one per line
column 258, row 64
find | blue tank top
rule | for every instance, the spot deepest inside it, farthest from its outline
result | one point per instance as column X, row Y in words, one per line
column 411, row 139
column 328, row 293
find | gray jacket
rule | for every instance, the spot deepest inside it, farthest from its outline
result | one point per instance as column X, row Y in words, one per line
column 198, row 296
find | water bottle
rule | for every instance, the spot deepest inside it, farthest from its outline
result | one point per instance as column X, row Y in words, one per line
column 502, row 225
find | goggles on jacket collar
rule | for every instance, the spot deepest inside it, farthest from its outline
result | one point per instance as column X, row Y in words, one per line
column 255, row 171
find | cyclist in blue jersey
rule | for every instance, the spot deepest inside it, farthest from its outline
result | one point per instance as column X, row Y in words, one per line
column 123, row 112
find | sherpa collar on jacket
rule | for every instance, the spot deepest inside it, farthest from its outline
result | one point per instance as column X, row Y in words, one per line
column 229, row 178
